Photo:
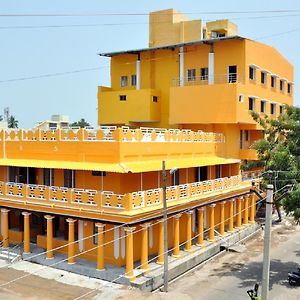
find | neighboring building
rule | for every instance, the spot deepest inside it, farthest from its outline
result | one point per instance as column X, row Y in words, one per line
column 76, row 183
column 56, row 122
column 3, row 125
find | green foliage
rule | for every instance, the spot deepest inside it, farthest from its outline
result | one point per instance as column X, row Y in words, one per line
column 279, row 152
column 12, row 122
column 81, row 123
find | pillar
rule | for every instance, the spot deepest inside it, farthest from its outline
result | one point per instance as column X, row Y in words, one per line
column 71, row 240
column 49, row 247
column 231, row 217
column 200, row 240
column 211, row 230
column 246, row 208
column 239, row 212
column 188, row 244
column 26, row 232
column 129, row 253
column 138, row 73
column 100, row 249
column 144, row 248
column 5, row 238
column 252, row 208
column 160, row 254
column 211, row 58
column 222, row 218
column 181, row 66
column 176, row 235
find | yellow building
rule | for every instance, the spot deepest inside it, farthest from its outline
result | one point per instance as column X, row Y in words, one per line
column 186, row 101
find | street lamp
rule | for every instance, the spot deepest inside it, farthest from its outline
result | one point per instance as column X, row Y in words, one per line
column 165, row 218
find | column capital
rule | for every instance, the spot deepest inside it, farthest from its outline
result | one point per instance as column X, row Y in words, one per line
column 70, row 220
column 231, row 200
column 223, row 202
column 5, row 210
column 145, row 225
column 190, row 212
column 48, row 217
column 177, row 216
column 100, row 226
column 129, row 229
column 201, row 209
column 212, row 205
column 241, row 198
column 26, row 214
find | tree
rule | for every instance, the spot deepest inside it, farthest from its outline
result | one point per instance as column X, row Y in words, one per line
column 81, row 123
column 1, row 118
column 12, row 122
column 279, row 154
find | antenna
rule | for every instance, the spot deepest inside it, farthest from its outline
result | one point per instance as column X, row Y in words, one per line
column 6, row 114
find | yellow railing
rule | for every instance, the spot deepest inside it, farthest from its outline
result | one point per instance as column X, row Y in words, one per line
column 108, row 201
column 112, row 133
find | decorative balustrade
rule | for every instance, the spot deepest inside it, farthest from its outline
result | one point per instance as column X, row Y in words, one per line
column 249, row 175
column 106, row 200
column 112, row 133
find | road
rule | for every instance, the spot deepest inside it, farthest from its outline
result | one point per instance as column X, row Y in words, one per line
column 226, row 277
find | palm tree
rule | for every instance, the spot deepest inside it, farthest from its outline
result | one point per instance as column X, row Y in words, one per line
column 81, row 123
column 12, row 122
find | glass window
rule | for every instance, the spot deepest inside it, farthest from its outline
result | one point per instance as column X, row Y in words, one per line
column 273, row 81
column 154, row 99
column 122, row 97
column 289, row 88
column 273, row 108
column 252, row 73
column 124, row 81
column 281, row 107
column 251, row 103
column 281, row 85
column 204, row 74
column 262, row 106
column 191, row 74
column 133, row 80
column 263, row 77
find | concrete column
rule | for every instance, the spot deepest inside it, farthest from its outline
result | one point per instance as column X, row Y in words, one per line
column 222, row 218
column 71, row 240
column 5, row 238
column 181, row 66
column 246, row 208
column 26, row 232
column 211, row 74
column 239, row 212
column 160, row 259
column 211, row 230
column 231, row 216
column 129, row 253
column 138, row 74
column 49, row 254
column 188, row 244
column 144, row 248
column 252, row 208
column 176, row 235
column 200, row 240
column 100, row 249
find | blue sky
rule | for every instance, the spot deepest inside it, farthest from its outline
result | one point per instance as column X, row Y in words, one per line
column 38, row 51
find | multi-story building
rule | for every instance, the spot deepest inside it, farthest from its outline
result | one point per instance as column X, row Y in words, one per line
column 185, row 100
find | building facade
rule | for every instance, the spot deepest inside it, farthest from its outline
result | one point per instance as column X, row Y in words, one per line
column 185, row 101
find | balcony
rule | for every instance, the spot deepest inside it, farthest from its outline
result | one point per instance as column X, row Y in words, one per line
column 127, row 106
column 248, row 154
column 92, row 203
column 108, row 148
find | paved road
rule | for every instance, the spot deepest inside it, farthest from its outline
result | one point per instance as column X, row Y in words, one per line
column 230, row 276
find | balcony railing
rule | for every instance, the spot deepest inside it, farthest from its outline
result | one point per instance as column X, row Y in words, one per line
column 73, row 198
column 205, row 80
column 112, row 133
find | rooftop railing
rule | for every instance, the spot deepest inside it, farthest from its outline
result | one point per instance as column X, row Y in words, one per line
column 206, row 80
column 113, row 133
column 74, row 198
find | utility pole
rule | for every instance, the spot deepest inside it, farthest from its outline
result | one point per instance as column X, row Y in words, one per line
column 267, row 242
column 165, row 217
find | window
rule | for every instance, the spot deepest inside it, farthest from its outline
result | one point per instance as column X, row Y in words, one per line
column 273, row 82
column 175, row 178
column 252, row 72
column 218, row 171
column 251, row 103
column 122, row 97
column 247, row 134
column 281, row 85
column 289, row 88
column 124, row 81
column 69, row 178
column 201, row 173
column 262, row 106
column 232, row 74
column 273, row 108
column 48, row 177
column 98, row 173
column 191, row 74
column 241, row 98
column 154, row 99
column 133, row 80
column 204, row 34
column 263, row 77
column 204, row 74
column 241, row 139
column 281, row 107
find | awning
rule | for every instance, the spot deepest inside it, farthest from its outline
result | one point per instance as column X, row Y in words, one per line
column 125, row 167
